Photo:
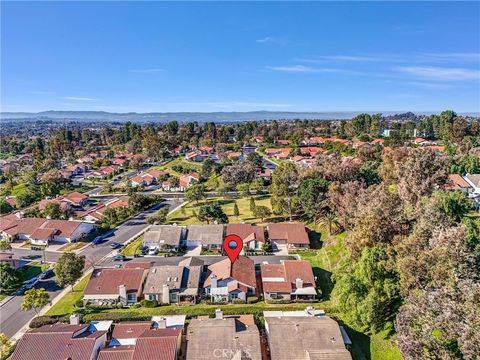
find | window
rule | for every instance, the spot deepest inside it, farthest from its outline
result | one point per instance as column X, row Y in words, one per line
column 152, row 297
column 131, row 298
column 234, row 296
column 173, row 297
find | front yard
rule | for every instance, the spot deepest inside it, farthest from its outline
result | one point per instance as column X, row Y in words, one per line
column 179, row 161
column 66, row 305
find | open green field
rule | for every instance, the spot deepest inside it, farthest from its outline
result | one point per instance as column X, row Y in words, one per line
column 227, row 204
column 179, row 161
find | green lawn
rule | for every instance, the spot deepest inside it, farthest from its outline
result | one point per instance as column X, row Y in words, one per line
column 66, row 305
column 227, row 204
column 134, row 247
column 197, row 166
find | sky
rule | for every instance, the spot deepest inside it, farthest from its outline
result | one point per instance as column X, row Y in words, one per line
column 240, row 56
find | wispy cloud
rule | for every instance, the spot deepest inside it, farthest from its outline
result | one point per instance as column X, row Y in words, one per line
column 440, row 73
column 271, row 40
column 146, row 71
column 77, row 98
column 429, row 85
column 300, row 69
column 452, row 56
column 339, row 58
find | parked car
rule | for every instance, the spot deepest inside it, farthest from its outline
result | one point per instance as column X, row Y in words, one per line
column 30, row 284
column 97, row 240
column 115, row 245
column 46, row 274
column 119, row 258
column 153, row 251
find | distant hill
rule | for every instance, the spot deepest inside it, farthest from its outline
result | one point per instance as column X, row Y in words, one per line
column 218, row 117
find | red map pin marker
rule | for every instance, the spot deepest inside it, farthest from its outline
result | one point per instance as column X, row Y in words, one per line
column 232, row 244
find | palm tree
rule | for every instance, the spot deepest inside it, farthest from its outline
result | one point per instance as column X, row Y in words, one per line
column 329, row 220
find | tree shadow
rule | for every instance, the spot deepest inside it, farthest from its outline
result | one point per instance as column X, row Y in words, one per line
column 360, row 347
column 324, row 281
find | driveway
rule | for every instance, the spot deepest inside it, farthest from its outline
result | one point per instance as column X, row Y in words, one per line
column 194, row 251
column 280, row 249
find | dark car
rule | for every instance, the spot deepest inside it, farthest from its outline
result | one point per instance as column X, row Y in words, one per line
column 119, row 258
column 46, row 274
column 30, row 284
column 97, row 240
column 115, row 245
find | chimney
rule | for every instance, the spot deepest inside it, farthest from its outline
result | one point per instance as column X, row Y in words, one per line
column 298, row 283
column 162, row 324
column 219, row 314
column 75, row 319
column 122, row 293
column 214, row 283
column 165, row 294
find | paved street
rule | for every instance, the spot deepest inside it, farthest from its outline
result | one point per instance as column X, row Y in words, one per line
column 12, row 318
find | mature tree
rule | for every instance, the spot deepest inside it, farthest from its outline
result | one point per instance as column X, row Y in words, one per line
column 312, row 193
column 5, row 347
column 329, row 220
column 466, row 164
column 285, row 181
column 239, row 172
column 195, row 193
column 236, row 212
column 160, row 217
column 255, row 159
column 35, row 299
column 52, row 182
column 252, row 204
column 419, row 175
column 53, row 210
column 367, row 291
column 454, row 204
column 5, row 245
column 5, row 207
column 69, row 268
column 212, row 212
column 378, row 219
column 343, row 199
column 262, row 212
column 243, row 189
column 441, row 285
column 8, row 276
column 335, row 167
column 110, row 216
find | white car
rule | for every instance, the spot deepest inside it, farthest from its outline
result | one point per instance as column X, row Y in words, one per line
column 152, row 251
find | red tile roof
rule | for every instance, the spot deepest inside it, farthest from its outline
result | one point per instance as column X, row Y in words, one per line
column 130, row 330
column 124, row 352
column 56, row 342
column 293, row 233
column 107, row 281
column 245, row 231
column 242, row 270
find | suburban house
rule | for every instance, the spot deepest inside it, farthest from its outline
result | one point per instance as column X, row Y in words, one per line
column 223, row 337
column 253, row 236
column 187, row 180
column 278, row 153
column 206, row 236
column 147, row 178
column 109, row 286
column 196, row 155
column 305, row 335
column 40, row 232
column 288, row 234
column 142, row 341
column 96, row 214
column 61, row 341
column 164, row 237
column 226, row 282
column 457, row 182
column 42, row 204
column 290, row 280
column 173, row 284
column 313, row 141
column 474, row 181
column 75, row 199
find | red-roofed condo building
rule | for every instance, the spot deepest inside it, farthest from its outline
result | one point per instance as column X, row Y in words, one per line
column 290, row 280
column 289, row 235
column 226, row 282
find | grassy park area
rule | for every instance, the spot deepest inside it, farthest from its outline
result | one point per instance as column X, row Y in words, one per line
column 179, row 161
column 186, row 216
